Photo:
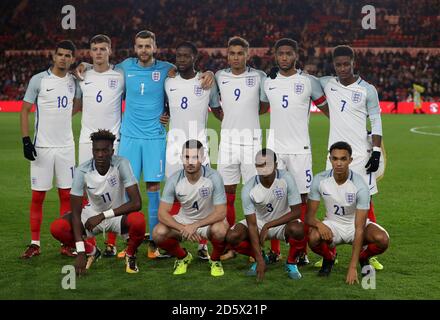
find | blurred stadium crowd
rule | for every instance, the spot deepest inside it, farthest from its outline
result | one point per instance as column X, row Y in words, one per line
column 316, row 24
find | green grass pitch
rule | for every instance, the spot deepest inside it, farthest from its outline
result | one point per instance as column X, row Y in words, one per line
column 407, row 206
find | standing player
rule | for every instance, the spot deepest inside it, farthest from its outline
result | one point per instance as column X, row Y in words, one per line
column 188, row 107
column 271, row 204
column 108, row 180
column 102, row 92
column 243, row 99
column 200, row 191
column 290, row 94
column 53, row 148
column 346, row 199
column 351, row 101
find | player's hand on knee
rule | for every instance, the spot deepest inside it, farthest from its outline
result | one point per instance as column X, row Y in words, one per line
column 352, row 276
column 325, row 232
column 28, row 149
column 373, row 163
column 80, row 264
column 92, row 222
column 164, row 119
column 208, row 80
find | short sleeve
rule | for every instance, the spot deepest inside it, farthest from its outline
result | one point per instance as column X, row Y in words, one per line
column 314, row 193
column 169, row 191
column 324, row 80
column 362, row 194
column 78, row 91
column 126, row 172
column 33, row 89
column 248, row 205
column 317, row 94
column 372, row 101
column 293, row 195
column 78, row 183
column 263, row 97
column 218, row 192
column 214, row 98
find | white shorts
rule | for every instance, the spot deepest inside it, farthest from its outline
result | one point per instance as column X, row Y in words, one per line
column 237, row 161
column 342, row 232
column 50, row 160
column 112, row 224
column 277, row 232
column 300, row 167
column 174, row 158
column 358, row 166
column 203, row 231
column 85, row 151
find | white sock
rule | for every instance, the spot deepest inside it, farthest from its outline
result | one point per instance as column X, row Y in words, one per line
column 36, row 242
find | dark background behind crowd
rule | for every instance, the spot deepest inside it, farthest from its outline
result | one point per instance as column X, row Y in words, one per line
column 36, row 25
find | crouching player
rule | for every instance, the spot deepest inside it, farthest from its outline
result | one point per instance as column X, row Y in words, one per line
column 108, row 180
column 347, row 200
column 272, row 207
column 201, row 193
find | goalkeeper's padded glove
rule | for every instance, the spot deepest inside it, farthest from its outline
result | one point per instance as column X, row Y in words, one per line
column 373, row 164
column 28, row 149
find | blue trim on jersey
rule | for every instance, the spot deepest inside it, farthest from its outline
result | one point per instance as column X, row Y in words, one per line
column 331, row 173
column 351, row 175
column 93, row 165
column 257, row 179
column 204, row 170
column 300, row 71
column 36, row 121
column 278, row 174
column 48, row 71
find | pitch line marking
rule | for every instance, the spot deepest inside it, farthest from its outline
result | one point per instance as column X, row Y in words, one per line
column 417, row 130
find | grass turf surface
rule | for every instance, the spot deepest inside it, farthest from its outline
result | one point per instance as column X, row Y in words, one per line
column 407, row 206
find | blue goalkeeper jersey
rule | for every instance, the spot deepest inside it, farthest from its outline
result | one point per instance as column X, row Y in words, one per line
column 144, row 98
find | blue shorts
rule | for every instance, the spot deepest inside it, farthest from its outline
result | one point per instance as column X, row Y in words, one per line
column 145, row 155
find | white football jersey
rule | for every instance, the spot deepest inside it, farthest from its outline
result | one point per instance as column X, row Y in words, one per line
column 197, row 200
column 240, row 98
column 290, row 99
column 270, row 203
column 102, row 94
column 189, row 105
column 341, row 201
column 53, row 97
column 349, row 107
column 104, row 192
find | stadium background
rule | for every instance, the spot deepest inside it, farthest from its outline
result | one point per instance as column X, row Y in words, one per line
column 402, row 50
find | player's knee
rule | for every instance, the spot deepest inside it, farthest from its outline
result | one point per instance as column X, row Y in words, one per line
column 160, row 233
column 314, row 238
column 382, row 240
column 153, row 186
column 232, row 237
column 59, row 227
column 295, row 230
column 136, row 220
column 218, row 231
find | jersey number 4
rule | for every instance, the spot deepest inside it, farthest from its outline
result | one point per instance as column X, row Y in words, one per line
column 195, row 205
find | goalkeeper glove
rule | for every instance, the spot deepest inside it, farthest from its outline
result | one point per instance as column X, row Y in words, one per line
column 28, row 149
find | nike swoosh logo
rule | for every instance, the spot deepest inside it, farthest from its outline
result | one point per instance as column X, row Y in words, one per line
column 173, row 89
column 49, row 89
column 86, row 83
column 333, row 89
column 131, row 75
column 181, row 195
column 90, row 188
column 326, row 194
column 272, row 88
column 224, row 82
